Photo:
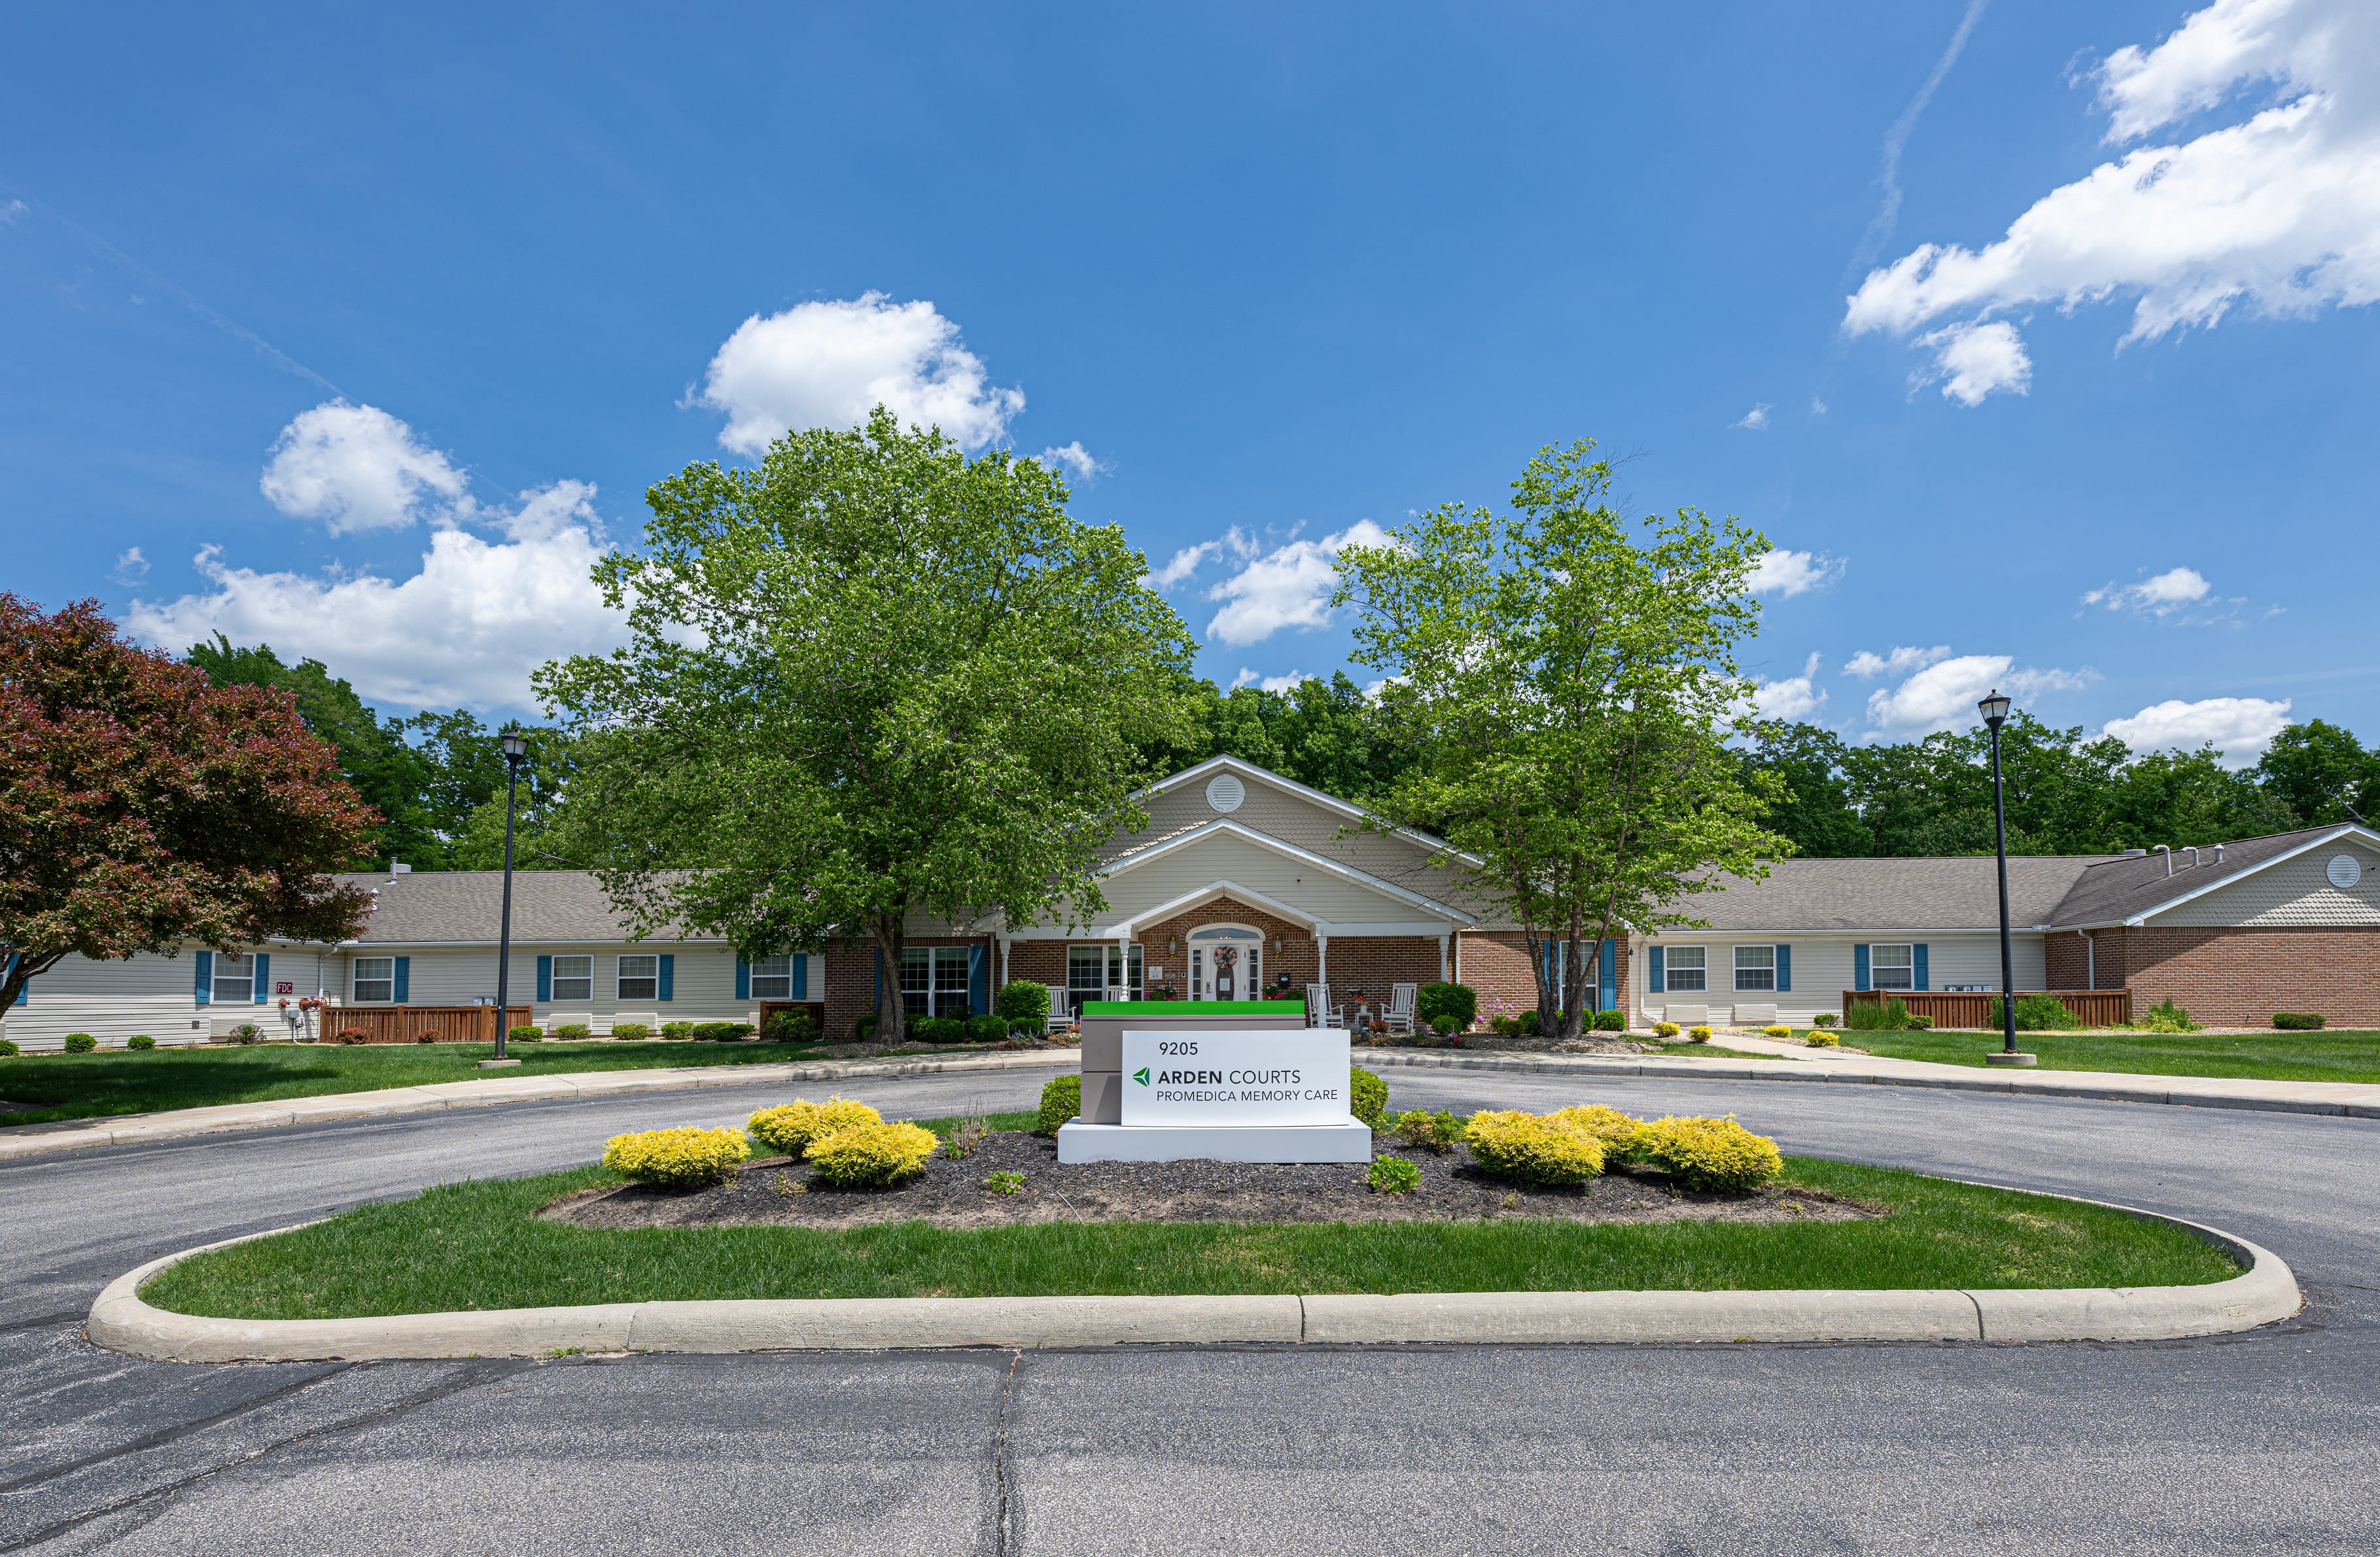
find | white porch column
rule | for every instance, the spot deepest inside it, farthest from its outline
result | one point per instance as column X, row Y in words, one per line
column 1442, row 963
column 1322, row 958
column 1123, row 960
column 1002, row 941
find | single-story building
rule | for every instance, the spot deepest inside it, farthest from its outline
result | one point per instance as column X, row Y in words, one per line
column 1245, row 883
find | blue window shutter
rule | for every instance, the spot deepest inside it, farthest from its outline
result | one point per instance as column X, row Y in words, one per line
column 1609, row 983
column 1784, row 968
column 979, row 997
column 743, row 978
column 669, row 975
column 22, row 995
column 206, row 978
column 1917, row 967
column 263, row 978
column 1859, row 967
column 801, row 976
column 544, row 979
column 404, row 980
column 1656, row 975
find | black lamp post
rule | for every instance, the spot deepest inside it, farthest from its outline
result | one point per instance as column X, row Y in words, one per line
column 515, row 752
column 1994, row 710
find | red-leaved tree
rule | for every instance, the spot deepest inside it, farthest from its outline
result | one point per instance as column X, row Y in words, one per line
column 142, row 807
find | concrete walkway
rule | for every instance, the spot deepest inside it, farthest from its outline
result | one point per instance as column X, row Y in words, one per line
column 27, row 1140
column 1797, row 1063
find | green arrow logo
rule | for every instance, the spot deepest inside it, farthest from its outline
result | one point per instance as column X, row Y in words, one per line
column 1141, row 1075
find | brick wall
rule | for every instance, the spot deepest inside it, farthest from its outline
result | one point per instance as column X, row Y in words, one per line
column 2072, row 963
column 2239, row 978
column 1496, row 964
column 1296, row 957
column 851, row 979
column 1373, row 962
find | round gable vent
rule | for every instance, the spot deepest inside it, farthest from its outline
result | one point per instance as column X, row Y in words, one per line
column 2344, row 872
column 1224, row 792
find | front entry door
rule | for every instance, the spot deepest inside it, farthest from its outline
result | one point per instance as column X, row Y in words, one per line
column 1226, row 965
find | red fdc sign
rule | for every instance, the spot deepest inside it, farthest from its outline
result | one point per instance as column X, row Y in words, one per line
column 284, row 987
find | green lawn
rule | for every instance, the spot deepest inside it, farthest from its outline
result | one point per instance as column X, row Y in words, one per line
column 2278, row 1057
column 1715, row 1051
column 121, row 1081
column 481, row 1245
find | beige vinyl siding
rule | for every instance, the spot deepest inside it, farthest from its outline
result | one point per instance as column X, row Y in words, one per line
column 702, row 982
column 1300, row 821
column 2295, row 891
column 1222, row 856
column 149, row 993
column 1824, row 967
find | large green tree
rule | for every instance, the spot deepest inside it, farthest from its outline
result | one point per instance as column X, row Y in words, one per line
column 870, row 679
column 1568, row 681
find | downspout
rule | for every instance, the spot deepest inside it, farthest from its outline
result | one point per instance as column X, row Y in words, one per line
column 2090, row 960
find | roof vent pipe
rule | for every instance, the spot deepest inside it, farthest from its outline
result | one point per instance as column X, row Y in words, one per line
column 2167, row 850
column 399, row 868
column 2193, row 854
column 2218, row 854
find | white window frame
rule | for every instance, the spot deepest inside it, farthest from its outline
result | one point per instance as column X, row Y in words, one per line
column 575, row 986
column 773, row 977
column 934, row 980
column 365, row 973
column 1906, row 969
column 1700, row 968
column 1763, row 975
column 234, row 992
column 649, row 975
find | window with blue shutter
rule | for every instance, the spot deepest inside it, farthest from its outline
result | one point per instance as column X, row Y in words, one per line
column 743, row 978
column 1784, row 968
column 403, row 980
column 668, row 975
column 263, row 976
column 1859, row 967
column 1607, row 979
column 206, row 961
column 1657, row 972
column 1917, row 966
column 544, row 979
column 801, row 976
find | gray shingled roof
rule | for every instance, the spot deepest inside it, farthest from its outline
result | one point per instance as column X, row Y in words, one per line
column 446, row 907
column 2114, row 890
column 1960, row 893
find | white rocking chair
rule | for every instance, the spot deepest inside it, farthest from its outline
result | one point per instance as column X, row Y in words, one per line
column 1062, row 1015
column 1399, row 1016
column 1319, row 1011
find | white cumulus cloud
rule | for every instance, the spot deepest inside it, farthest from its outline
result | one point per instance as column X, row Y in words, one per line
column 2240, row 729
column 467, row 629
column 2170, row 592
column 130, row 566
column 1073, row 456
column 1867, row 664
column 1288, row 587
column 1792, row 698
column 357, row 468
column 1756, row 419
column 1187, row 560
column 828, row 364
column 1782, row 572
column 2277, row 211
column 1943, row 696
column 1972, row 360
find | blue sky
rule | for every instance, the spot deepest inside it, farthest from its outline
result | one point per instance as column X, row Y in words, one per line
column 358, row 331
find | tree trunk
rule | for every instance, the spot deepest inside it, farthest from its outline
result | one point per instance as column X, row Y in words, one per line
column 892, row 1023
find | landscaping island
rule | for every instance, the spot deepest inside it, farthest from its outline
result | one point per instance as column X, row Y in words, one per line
column 1006, row 1219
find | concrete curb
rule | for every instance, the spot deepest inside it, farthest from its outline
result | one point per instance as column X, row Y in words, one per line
column 2262, row 1295
column 2351, row 1099
column 71, row 1134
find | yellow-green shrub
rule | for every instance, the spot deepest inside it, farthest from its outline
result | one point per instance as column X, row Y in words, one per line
column 1708, row 1154
column 791, row 1126
column 1698, row 1035
column 676, row 1159
column 1666, row 1029
column 1780, row 1031
column 1614, row 1131
column 1820, row 1038
column 1531, row 1150
column 865, row 1156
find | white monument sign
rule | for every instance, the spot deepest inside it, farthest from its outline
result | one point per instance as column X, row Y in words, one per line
column 1236, row 1078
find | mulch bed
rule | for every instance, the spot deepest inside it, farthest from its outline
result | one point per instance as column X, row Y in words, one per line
column 781, row 1192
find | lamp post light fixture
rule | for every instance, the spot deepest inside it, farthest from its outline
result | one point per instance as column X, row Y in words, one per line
column 1994, row 710
column 516, row 747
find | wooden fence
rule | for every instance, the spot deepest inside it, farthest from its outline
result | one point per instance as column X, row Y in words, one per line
column 407, row 1024
column 2097, row 1008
